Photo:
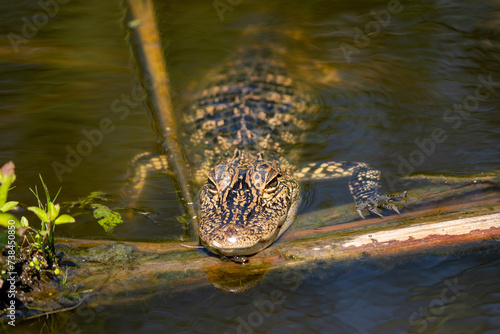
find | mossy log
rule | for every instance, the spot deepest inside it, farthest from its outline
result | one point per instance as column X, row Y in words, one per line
column 451, row 217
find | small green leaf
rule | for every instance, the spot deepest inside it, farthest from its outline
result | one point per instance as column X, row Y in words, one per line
column 57, row 271
column 64, row 219
column 53, row 211
column 6, row 220
column 40, row 213
column 9, row 205
column 134, row 23
column 24, row 222
column 107, row 218
column 182, row 220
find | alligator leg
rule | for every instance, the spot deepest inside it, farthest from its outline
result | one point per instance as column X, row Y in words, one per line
column 364, row 184
column 142, row 166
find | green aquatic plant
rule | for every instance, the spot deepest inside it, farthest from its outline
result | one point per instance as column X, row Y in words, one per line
column 37, row 246
column 7, row 177
column 106, row 216
column 48, row 213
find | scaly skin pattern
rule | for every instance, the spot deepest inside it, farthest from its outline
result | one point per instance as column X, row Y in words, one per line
column 251, row 105
column 245, row 205
column 243, row 132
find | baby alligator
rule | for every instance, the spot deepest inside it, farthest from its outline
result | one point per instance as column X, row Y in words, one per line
column 243, row 131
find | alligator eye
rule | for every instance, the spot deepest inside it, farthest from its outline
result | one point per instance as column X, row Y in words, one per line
column 211, row 187
column 272, row 185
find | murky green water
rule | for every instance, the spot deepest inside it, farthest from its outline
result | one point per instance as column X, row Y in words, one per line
column 385, row 89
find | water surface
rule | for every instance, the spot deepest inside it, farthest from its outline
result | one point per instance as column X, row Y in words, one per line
column 382, row 87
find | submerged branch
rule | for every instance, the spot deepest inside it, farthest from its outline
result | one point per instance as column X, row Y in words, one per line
column 156, row 82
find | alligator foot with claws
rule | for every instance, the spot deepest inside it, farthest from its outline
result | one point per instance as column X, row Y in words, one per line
column 379, row 201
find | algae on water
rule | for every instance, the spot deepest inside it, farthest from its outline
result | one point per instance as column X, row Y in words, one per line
column 107, row 218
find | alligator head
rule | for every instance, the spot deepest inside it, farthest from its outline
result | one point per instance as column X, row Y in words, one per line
column 246, row 203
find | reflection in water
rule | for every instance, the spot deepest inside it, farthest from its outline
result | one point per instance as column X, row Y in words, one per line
column 231, row 277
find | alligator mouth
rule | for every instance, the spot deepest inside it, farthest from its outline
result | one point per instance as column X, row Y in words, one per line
column 229, row 246
column 221, row 250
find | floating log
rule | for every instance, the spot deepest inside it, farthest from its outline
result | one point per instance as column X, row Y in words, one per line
column 448, row 219
column 148, row 48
